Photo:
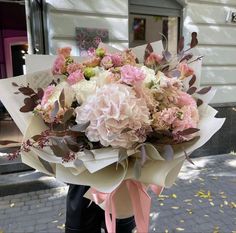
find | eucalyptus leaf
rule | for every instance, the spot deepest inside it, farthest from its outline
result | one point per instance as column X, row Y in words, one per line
column 186, row 57
column 36, row 137
column 181, row 44
column 46, row 165
column 122, row 155
column 194, row 40
column 78, row 163
column 68, row 114
column 175, row 73
column 55, row 110
column 6, row 142
column 199, row 102
column 62, row 99
column 89, row 154
column 137, row 169
column 188, row 131
column 148, row 51
column 204, row 90
column 80, row 127
column 188, row 158
column 191, row 90
column 192, row 81
column 57, row 151
column 168, row 153
column 167, row 55
column 143, row 155
column 14, row 84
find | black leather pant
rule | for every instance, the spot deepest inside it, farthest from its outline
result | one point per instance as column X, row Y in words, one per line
column 84, row 218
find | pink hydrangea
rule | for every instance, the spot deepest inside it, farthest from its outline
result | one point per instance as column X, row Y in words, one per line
column 112, row 110
column 47, row 94
column 131, row 75
column 65, row 52
column 75, row 77
column 59, row 65
column 106, row 62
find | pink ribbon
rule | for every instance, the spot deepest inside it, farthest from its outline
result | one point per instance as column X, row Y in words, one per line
column 141, row 204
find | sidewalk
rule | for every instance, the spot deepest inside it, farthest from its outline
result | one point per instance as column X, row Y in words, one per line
column 202, row 200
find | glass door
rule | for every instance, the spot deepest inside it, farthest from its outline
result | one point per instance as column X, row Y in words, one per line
column 149, row 28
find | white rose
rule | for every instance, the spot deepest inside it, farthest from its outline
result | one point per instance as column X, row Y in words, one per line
column 83, row 89
column 150, row 77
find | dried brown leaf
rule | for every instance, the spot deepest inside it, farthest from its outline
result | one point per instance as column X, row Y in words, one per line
column 204, row 90
column 26, row 91
column 192, row 80
column 191, row 90
column 6, row 142
column 62, row 99
column 188, row 131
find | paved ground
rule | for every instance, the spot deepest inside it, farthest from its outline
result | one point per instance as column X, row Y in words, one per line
column 202, row 200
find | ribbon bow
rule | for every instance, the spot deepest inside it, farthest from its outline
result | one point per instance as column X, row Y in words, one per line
column 141, row 204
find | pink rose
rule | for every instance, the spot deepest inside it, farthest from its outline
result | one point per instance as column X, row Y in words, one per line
column 106, row 62
column 65, row 52
column 131, row 75
column 59, row 65
column 185, row 70
column 92, row 62
column 73, row 67
column 153, row 59
column 116, row 59
column 75, row 77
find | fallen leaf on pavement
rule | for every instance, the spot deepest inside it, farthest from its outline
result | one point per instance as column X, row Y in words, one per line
column 12, row 205
column 62, row 227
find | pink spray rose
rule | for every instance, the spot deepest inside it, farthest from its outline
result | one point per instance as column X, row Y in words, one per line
column 92, row 62
column 185, row 70
column 116, row 59
column 111, row 110
column 59, row 66
column 65, row 52
column 106, row 62
column 153, row 59
column 131, row 75
column 75, row 77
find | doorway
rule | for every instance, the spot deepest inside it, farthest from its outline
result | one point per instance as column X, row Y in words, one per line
column 151, row 21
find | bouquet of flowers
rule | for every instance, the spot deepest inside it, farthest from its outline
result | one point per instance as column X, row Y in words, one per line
column 119, row 122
